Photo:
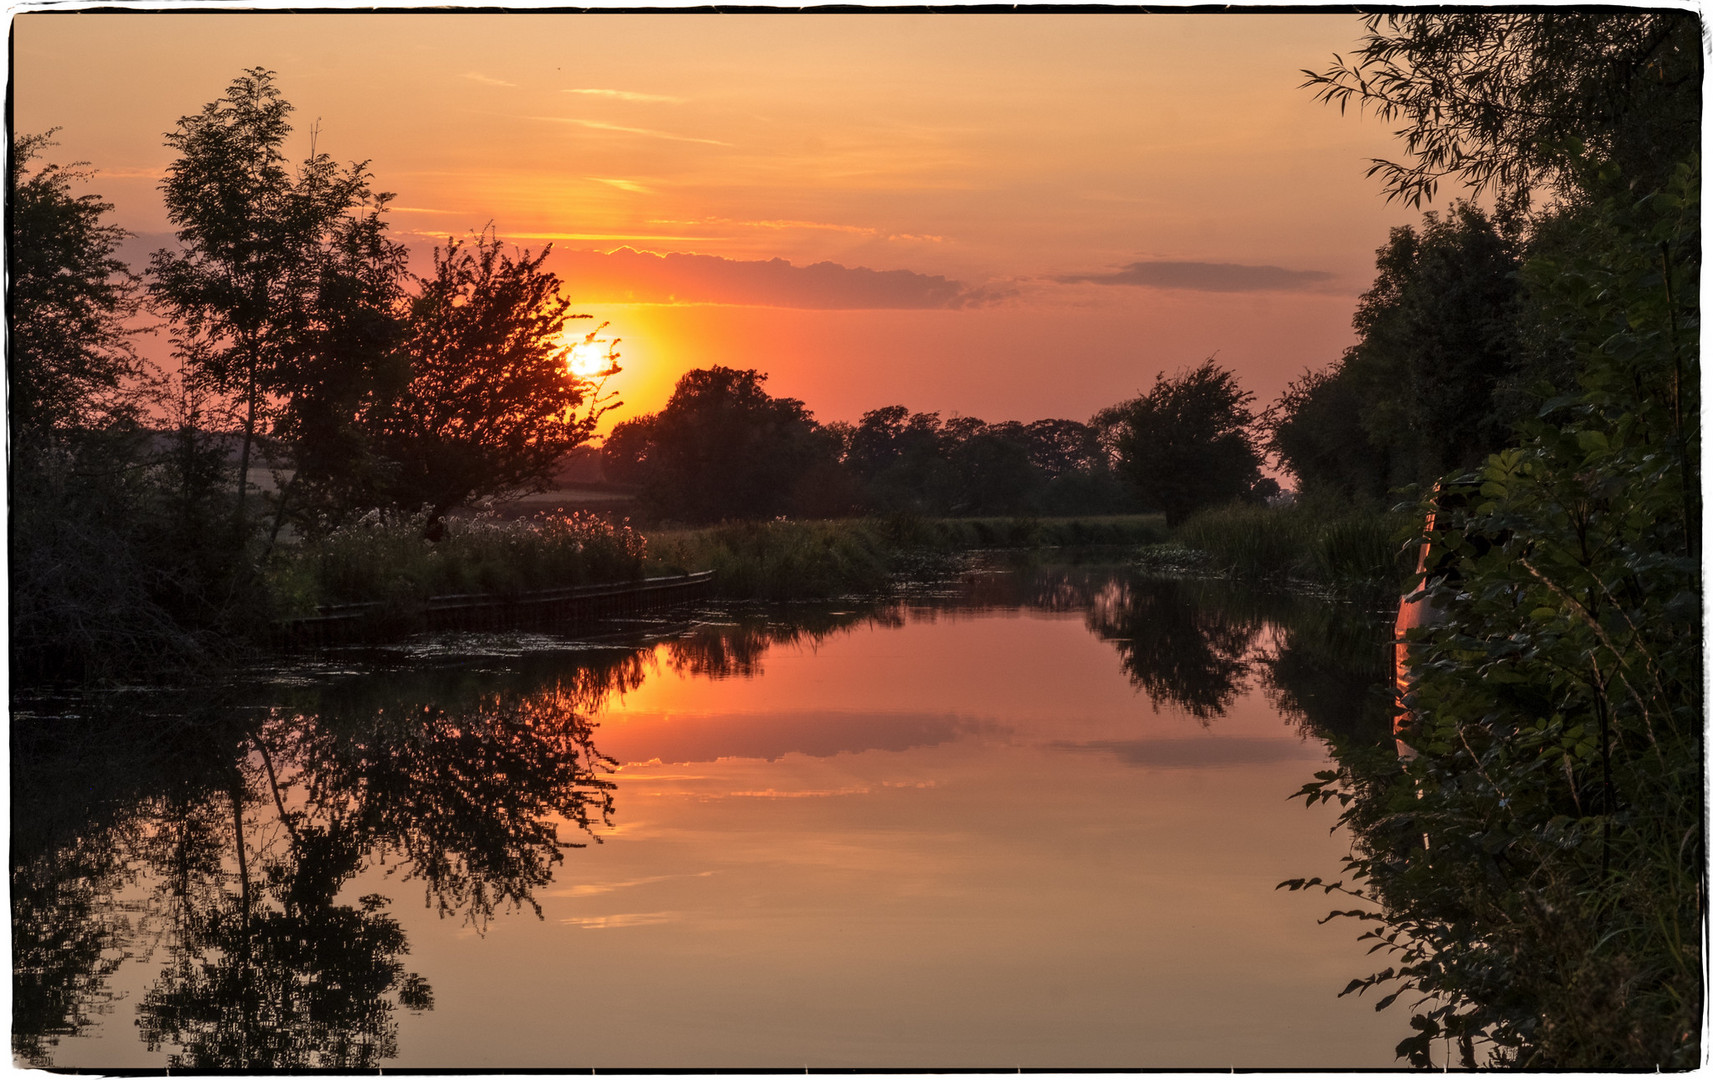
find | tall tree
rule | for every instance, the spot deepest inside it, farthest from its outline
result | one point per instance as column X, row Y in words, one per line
column 1437, row 376
column 246, row 288
column 68, row 297
column 1187, row 443
column 491, row 405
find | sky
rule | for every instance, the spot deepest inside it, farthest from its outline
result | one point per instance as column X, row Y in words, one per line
column 1010, row 216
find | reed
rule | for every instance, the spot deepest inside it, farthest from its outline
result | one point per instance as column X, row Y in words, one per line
column 787, row 559
column 385, row 557
column 1339, row 547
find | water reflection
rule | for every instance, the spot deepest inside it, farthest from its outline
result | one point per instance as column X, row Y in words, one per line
column 235, row 846
column 250, row 823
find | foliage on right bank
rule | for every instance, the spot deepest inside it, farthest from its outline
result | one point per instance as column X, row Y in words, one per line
column 1532, row 867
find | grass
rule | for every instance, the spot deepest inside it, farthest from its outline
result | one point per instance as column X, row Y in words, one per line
column 1339, row 547
column 384, row 558
column 786, row 560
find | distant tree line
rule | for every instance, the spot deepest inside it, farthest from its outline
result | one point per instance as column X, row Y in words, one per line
column 725, row 448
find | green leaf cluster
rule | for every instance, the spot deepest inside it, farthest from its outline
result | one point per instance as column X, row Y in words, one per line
column 1535, row 863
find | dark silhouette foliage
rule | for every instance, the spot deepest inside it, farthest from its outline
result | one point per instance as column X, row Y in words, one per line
column 1510, row 101
column 723, row 447
column 491, row 405
column 1434, row 383
column 273, row 271
column 68, row 352
column 1188, row 442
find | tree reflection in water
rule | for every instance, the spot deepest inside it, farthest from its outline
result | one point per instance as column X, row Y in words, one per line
column 252, row 825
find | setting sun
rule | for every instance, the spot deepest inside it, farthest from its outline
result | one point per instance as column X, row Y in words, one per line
column 592, row 359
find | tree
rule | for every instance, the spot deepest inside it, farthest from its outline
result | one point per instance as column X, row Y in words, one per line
column 491, row 404
column 723, row 448
column 1438, row 376
column 1511, row 101
column 1315, row 430
column 250, row 290
column 1188, row 442
column 68, row 297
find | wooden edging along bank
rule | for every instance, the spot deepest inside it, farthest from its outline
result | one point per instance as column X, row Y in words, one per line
column 336, row 624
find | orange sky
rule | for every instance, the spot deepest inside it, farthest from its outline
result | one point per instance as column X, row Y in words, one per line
column 1004, row 216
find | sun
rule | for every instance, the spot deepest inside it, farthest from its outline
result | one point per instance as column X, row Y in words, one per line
column 589, row 359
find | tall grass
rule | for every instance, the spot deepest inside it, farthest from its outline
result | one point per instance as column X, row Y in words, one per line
column 1341, row 547
column 385, row 558
column 780, row 560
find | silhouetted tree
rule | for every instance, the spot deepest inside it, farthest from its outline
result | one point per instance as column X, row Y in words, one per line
column 491, row 405
column 68, row 296
column 1435, row 381
column 86, row 584
column 1188, row 442
column 723, row 448
column 259, row 249
column 1315, row 430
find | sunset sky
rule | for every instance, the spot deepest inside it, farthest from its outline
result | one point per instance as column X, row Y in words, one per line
column 1003, row 216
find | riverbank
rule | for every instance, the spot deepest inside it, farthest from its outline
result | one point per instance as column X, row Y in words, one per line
column 385, row 560
column 1338, row 547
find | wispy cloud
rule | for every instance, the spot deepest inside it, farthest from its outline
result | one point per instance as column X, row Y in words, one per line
column 487, row 80
column 615, row 922
column 626, row 275
column 1205, row 277
column 622, row 185
column 419, row 210
column 598, row 125
column 821, row 793
column 625, row 95
column 771, row 736
column 599, row 888
column 777, row 224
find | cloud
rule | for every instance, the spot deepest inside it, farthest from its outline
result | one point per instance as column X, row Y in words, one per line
column 1200, row 752
column 630, row 276
column 621, row 128
column 1206, row 277
column 619, row 922
column 627, row 95
column 622, row 185
column 489, row 80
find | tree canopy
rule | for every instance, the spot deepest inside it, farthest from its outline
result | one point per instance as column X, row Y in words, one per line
column 1437, row 376
column 491, row 404
column 68, row 298
column 273, row 270
column 723, row 447
column 1188, row 442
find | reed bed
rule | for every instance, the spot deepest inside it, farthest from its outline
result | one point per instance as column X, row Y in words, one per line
column 385, row 558
column 1338, row 547
column 787, row 559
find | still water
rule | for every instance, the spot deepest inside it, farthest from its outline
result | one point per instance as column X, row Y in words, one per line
column 1031, row 818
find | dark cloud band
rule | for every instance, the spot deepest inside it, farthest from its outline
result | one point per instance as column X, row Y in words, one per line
column 630, row 276
column 1205, row 277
